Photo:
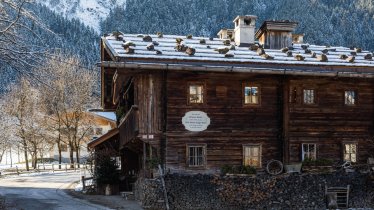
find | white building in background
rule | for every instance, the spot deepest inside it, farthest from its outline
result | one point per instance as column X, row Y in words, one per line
column 102, row 123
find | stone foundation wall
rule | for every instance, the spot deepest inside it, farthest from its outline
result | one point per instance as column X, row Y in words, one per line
column 287, row 191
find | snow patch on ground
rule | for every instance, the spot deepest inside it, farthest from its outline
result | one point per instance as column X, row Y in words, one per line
column 90, row 12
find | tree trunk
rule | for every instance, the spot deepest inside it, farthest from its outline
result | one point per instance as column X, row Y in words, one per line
column 77, row 156
column 71, row 155
column 59, row 155
column 26, row 155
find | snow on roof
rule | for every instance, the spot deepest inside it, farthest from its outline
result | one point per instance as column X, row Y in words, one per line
column 107, row 115
column 207, row 52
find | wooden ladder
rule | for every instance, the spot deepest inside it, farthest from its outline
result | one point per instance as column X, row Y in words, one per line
column 342, row 195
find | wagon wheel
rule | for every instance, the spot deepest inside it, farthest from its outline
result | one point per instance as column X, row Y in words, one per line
column 274, row 167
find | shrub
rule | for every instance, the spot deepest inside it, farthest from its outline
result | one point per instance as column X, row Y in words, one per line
column 317, row 162
column 227, row 169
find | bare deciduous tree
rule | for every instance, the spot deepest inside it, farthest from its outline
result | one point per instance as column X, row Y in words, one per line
column 15, row 49
column 67, row 96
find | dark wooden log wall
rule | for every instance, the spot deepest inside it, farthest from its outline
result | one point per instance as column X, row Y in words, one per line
column 232, row 123
column 329, row 123
column 148, row 97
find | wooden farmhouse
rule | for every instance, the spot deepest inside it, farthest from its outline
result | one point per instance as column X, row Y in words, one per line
column 247, row 97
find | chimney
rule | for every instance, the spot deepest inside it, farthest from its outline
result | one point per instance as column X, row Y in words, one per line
column 244, row 30
column 226, row 33
column 276, row 34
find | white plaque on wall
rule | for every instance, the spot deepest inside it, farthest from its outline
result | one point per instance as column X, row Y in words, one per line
column 196, row 121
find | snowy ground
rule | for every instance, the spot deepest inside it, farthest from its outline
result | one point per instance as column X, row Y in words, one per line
column 42, row 191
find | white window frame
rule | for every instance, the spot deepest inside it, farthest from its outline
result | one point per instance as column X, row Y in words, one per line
column 350, row 152
column 197, row 94
column 350, row 100
column 203, row 155
column 307, row 153
column 259, row 157
column 309, row 96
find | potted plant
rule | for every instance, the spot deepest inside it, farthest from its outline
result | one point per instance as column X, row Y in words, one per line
column 317, row 165
column 238, row 170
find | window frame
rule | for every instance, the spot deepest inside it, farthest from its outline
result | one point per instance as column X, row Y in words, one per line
column 343, row 151
column 355, row 97
column 303, row 152
column 204, row 146
column 251, row 84
column 314, row 97
column 259, row 157
column 189, row 84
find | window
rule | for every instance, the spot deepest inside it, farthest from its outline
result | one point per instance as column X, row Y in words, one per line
column 251, row 94
column 350, row 97
column 309, row 151
column 350, row 152
column 196, row 155
column 252, row 155
column 308, row 96
column 196, row 94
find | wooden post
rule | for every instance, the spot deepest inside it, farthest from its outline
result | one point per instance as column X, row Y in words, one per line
column 83, row 183
column 53, row 168
column 17, row 170
column 286, row 118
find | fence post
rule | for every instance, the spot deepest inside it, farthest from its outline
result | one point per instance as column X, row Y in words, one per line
column 83, row 183
column 53, row 168
column 17, row 170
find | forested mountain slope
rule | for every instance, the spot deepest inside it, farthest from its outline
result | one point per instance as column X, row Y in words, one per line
column 326, row 22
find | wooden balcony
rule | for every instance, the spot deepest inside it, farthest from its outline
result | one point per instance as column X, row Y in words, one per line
column 128, row 126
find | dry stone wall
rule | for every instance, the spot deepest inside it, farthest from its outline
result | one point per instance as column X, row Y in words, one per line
column 287, row 191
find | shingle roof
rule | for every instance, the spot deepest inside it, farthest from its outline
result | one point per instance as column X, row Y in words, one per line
column 207, row 52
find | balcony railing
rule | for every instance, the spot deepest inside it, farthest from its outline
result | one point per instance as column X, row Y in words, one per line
column 128, row 126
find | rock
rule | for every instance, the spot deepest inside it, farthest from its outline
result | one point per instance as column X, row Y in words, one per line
column 181, row 47
column 232, row 47
column 229, row 55
column 128, row 44
column 159, row 34
column 189, row 36
column 179, row 40
column 325, row 51
column 304, row 46
column 150, row 46
column 314, row 55
column 267, row 57
column 289, row 53
column 147, row 38
column 155, row 43
column 130, row 50
column 358, row 50
column 211, row 38
column 190, row 51
column 226, row 42
column 208, row 47
column 202, row 41
column 222, row 50
column 140, row 35
column 308, row 51
column 351, row 59
column 299, row 57
column 260, row 51
column 290, row 48
column 353, row 53
column 368, row 56
column 343, row 56
column 284, row 50
column 322, row 58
